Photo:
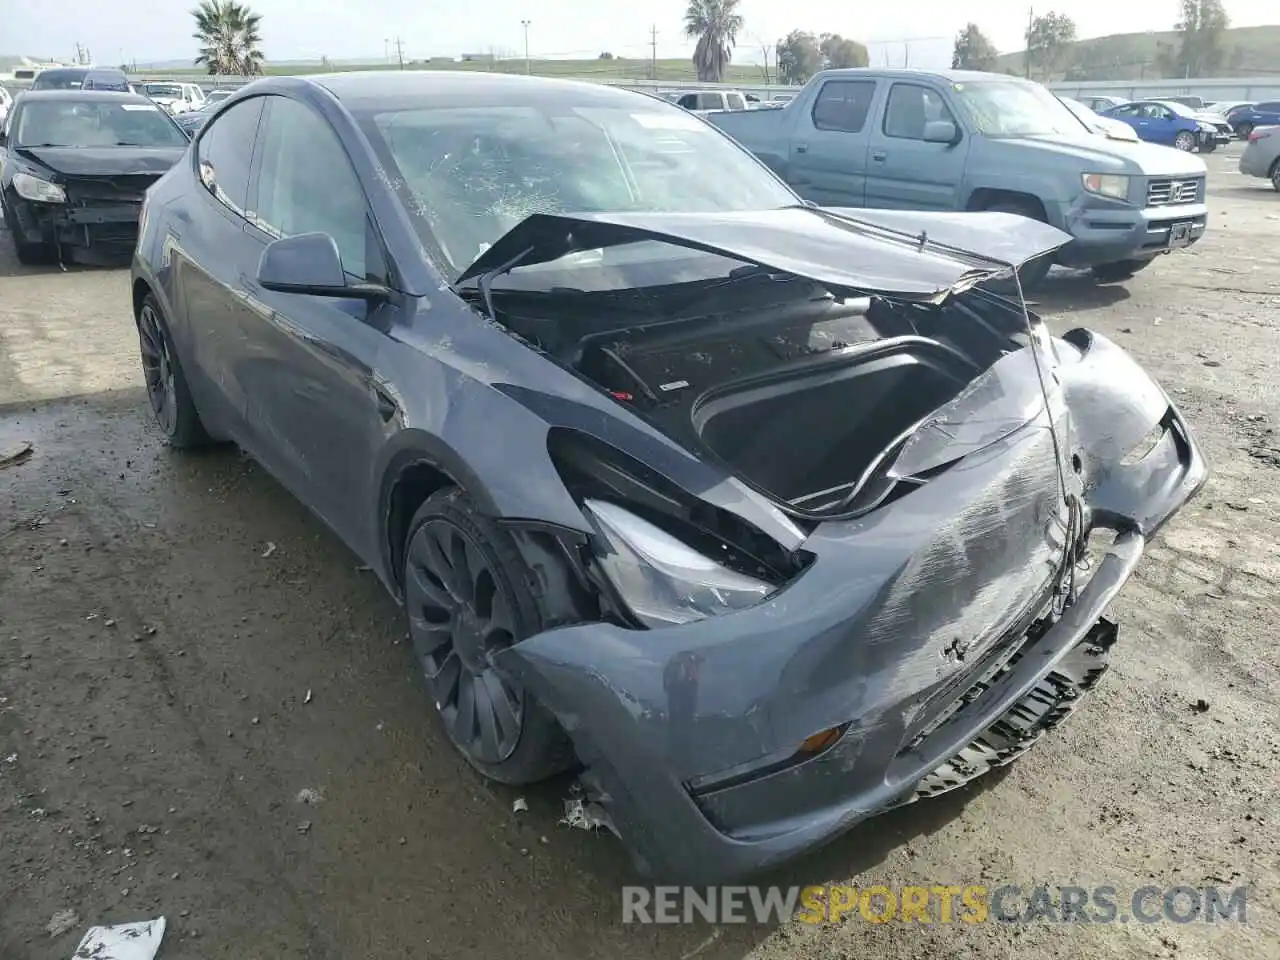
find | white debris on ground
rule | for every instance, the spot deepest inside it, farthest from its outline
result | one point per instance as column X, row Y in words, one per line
column 585, row 816
column 271, row 548
column 61, row 922
column 309, row 795
column 124, row 941
column 519, row 806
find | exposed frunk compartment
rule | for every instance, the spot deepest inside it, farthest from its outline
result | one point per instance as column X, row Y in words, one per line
column 808, row 432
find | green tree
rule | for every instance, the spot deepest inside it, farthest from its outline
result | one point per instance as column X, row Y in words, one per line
column 229, row 38
column 715, row 25
column 973, row 51
column 1200, row 31
column 799, row 57
column 1048, row 41
column 839, row 52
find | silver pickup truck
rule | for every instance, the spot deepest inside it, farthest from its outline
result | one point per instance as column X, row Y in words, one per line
column 959, row 140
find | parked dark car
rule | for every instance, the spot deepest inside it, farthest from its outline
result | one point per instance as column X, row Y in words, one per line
column 1173, row 124
column 1102, row 104
column 76, row 166
column 81, row 78
column 1247, row 119
column 558, row 360
column 193, row 120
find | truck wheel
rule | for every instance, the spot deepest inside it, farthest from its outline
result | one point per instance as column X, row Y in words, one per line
column 1185, row 141
column 1031, row 273
column 1120, row 270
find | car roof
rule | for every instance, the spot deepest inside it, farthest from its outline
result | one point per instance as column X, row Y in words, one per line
column 82, row 96
column 57, row 72
column 907, row 73
column 400, row 89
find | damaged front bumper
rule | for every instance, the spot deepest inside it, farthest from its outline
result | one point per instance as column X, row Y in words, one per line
column 109, row 227
column 903, row 659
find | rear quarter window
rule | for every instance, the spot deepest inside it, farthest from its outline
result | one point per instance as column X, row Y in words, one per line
column 225, row 150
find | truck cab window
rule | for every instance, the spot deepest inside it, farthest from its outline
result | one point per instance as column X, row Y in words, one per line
column 910, row 107
column 843, row 105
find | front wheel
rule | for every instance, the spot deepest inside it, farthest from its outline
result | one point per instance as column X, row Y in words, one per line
column 467, row 593
column 1120, row 270
column 1185, row 141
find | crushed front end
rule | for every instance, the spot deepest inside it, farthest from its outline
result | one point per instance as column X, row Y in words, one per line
column 88, row 213
column 924, row 641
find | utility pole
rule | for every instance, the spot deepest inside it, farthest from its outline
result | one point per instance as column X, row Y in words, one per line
column 400, row 52
column 653, row 52
column 1026, row 54
column 525, row 24
column 386, row 49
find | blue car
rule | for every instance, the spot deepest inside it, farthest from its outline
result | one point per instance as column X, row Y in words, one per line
column 1172, row 124
column 1245, row 120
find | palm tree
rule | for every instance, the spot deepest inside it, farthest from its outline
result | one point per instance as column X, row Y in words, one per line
column 715, row 24
column 229, row 38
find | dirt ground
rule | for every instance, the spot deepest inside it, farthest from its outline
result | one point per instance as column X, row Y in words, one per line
column 207, row 711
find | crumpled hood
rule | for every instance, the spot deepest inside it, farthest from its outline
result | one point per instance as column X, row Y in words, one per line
column 909, row 254
column 104, row 161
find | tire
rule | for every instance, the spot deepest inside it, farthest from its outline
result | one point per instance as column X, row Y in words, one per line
column 1209, row 148
column 1118, row 271
column 166, row 385
column 1185, row 141
column 1244, row 130
column 1275, row 174
column 468, row 594
column 1031, row 274
column 27, row 254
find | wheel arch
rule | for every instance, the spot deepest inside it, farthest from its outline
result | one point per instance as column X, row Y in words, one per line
column 984, row 198
column 420, row 466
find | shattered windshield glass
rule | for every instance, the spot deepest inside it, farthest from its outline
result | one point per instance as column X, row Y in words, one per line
column 472, row 173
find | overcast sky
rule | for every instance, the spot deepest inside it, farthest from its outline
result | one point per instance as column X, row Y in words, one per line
column 144, row 30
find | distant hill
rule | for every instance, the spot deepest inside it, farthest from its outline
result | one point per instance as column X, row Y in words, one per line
column 1250, row 52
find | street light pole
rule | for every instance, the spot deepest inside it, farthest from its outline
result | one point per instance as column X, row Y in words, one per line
column 525, row 24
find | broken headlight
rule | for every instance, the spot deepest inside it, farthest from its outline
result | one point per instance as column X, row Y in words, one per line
column 663, row 580
column 33, row 188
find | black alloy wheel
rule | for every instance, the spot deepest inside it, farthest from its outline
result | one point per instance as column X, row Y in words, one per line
column 157, row 369
column 460, row 614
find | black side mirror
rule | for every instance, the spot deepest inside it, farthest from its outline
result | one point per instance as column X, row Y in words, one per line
column 310, row 263
column 3, row 138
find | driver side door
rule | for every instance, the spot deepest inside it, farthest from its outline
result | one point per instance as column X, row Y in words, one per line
column 314, row 399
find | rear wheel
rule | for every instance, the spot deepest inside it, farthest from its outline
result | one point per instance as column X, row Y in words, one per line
column 1120, row 270
column 1275, row 174
column 167, row 390
column 1033, row 272
column 1244, row 130
column 467, row 592
column 1185, row 140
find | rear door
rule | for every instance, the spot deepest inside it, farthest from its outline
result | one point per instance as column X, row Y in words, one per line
column 310, row 375
column 829, row 142
column 210, row 253
column 903, row 170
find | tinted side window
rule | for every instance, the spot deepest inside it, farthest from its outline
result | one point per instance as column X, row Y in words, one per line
column 224, row 151
column 909, row 108
column 843, row 105
column 1270, row 106
column 306, row 183
column 736, row 102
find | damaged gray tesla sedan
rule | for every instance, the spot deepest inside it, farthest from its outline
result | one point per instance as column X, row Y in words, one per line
column 764, row 517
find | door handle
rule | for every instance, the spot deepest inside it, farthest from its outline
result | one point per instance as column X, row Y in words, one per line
column 878, row 156
column 802, row 148
column 387, row 407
